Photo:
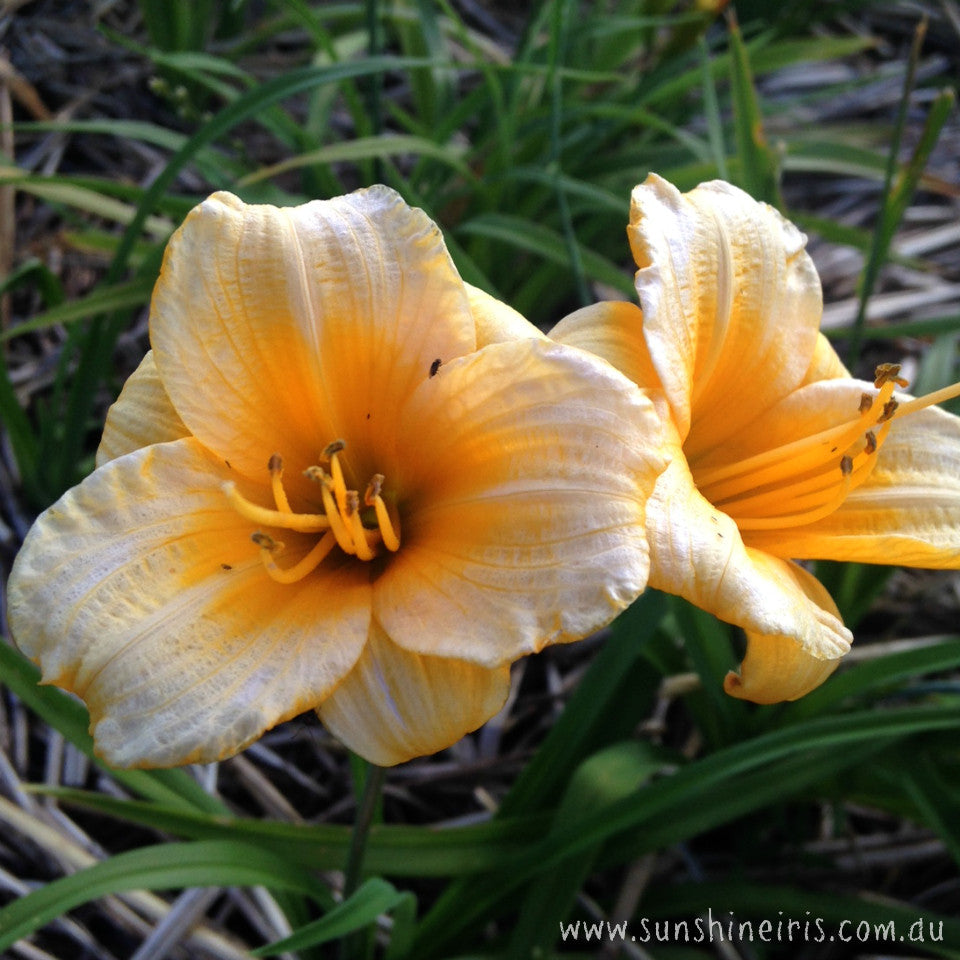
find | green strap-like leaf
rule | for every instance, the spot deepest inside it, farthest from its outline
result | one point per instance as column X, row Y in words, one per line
column 371, row 899
column 161, row 867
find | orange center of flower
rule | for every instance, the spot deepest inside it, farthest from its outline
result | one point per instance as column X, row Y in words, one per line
column 807, row 479
column 358, row 532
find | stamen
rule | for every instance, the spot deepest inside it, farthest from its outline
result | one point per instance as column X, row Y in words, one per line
column 330, row 452
column 355, row 524
column 791, row 459
column 302, row 568
column 333, row 514
column 938, row 396
column 807, row 516
column 797, row 481
column 301, row 522
column 275, row 466
column 372, row 498
column 342, row 522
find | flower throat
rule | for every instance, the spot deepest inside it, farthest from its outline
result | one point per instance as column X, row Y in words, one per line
column 806, row 480
column 358, row 532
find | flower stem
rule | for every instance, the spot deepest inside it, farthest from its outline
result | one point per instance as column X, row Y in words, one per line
column 354, row 946
column 361, row 828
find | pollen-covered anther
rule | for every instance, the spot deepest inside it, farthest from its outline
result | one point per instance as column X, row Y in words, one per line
column 870, row 444
column 888, row 373
column 275, row 466
column 889, row 409
column 265, row 542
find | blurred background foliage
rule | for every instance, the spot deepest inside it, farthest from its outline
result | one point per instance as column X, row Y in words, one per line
column 619, row 783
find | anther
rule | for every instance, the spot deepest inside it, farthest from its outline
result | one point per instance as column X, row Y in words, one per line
column 275, row 466
column 866, row 402
column 265, row 542
column 846, row 466
column 871, row 442
column 888, row 373
column 335, row 446
column 373, row 489
column 889, row 409
column 305, row 566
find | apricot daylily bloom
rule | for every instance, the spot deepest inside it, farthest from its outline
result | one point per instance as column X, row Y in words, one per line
column 778, row 453
column 342, row 480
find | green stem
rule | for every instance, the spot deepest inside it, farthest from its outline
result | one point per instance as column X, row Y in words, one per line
column 361, row 828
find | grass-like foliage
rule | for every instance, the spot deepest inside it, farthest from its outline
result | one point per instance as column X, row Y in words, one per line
column 651, row 796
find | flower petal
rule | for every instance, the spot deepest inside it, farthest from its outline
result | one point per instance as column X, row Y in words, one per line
column 825, row 365
column 140, row 591
column 141, row 415
column 778, row 667
column 696, row 551
column 395, row 705
column 496, row 322
column 612, row 329
column 731, row 304
column 522, row 503
column 306, row 324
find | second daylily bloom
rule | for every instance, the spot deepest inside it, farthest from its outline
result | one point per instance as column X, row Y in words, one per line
column 342, row 480
column 778, row 453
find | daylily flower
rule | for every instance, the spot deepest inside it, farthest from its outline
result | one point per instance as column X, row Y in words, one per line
column 778, row 453
column 342, row 479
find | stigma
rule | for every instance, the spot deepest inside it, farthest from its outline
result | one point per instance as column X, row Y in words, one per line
column 807, row 479
column 358, row 531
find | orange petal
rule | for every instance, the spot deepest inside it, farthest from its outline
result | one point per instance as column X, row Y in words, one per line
column 778, row 667
column 395, row 705
column 140, row 591
column 731, row 304
column 526, row 470
column 281, row 329
column 141, row 415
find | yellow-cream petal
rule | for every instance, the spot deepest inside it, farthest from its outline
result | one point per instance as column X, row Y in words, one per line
column 496, row 322
column 395, row 705
column 778, row 667
column 280, row 329
column 141, row 415
column 612, row 329
column 825, row 365
column 731, row 304
column 696, row 551
column 140, row 591
column 526, row 470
